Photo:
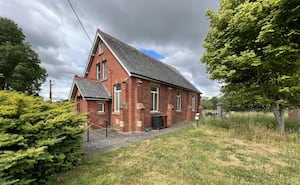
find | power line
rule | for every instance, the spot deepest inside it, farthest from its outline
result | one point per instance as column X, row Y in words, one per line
column 79, row 20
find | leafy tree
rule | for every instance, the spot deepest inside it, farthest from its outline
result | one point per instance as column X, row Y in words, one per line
column 253, row 48
column 19, row 65
column 210, row 103
column 232, row 101
column 206, row 103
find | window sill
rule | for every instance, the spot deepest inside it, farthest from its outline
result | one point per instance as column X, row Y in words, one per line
column 103, row 79
column 100, row 113
column 116, row 113
column 154, row 112
column 178, row 111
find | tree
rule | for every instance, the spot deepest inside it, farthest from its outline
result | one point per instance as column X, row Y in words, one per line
column 253, row 48
column 233, row 101
column 206, row 103
column 20, row 68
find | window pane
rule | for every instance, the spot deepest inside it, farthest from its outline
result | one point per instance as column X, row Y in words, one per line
column 98, row 71
column 100, row 48
column 104, row 70
column 154, row 98
column 118, row 87
column 152, row 101
column 119, row 101
column 178, row 106
column 155, row 102
column 100, row 107
column 193, row 103
column 117, row 97
column 154, row 89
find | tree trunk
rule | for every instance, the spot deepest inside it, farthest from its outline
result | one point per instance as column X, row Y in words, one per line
column 278, row 111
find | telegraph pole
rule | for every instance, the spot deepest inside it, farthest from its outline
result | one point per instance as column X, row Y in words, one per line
column 50, row 93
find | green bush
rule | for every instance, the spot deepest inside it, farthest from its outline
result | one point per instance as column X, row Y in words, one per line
column 37, row 138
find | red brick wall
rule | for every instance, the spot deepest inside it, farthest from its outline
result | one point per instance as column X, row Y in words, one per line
column 167, row 96
column 115, row 74
column 97, row 119
column 133, row 91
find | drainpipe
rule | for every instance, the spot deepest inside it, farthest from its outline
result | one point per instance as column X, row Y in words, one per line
column 109, row 113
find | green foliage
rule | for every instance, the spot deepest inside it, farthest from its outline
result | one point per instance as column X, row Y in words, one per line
column 233, row 101
column 19, row 65
column 210, row 103
column 253, row 47
column 37, row 139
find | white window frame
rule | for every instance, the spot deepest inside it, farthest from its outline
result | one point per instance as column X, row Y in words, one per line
column 100, row 48
column 178, row 101
column 193, row 103
column 102, row 107
column 104, row 70
column 154, row 96
column 98, row 71
column 117, row 97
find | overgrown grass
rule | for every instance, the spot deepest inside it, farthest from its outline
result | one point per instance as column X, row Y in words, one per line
column 229, row 151
column 256, row 126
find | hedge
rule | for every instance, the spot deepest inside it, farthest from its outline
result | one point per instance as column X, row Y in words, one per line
column 37, row 139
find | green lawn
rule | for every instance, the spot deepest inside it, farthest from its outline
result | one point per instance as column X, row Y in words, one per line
column 205, row 155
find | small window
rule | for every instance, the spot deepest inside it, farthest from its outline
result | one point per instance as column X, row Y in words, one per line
column 178, row 102
column 117, row 98
column 100, row 107
column 154, row 98
column 193, row 103
column 98, row 71
column 100, row 48
column 104, row 69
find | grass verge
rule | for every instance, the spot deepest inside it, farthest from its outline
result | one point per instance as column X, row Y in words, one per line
column 208, row 154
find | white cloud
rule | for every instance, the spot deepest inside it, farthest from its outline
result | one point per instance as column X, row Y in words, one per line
column 172, row 28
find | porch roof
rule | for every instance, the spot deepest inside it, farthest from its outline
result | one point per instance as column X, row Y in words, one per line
column 90, row 89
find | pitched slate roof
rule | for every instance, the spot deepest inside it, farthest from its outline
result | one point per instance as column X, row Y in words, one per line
column 90, row 89
column 141, row 65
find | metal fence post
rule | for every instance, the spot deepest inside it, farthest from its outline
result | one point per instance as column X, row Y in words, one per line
column 88, row 131
column 106, row 128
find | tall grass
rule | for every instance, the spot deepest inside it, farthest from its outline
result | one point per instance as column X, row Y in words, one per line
column 256, row 126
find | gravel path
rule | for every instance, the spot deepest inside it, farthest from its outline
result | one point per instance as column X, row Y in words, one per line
column 98, row 143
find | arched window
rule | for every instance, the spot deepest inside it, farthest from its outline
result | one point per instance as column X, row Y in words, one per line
column 117, row 97
column 178, row 102
column 154, row 98
column 193, row 103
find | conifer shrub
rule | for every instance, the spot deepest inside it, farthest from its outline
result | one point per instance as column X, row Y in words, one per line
column 37, row 138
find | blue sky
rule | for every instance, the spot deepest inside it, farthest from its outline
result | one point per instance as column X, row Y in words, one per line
column 152, row 53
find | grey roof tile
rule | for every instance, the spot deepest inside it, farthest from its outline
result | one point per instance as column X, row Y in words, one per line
column 140, row 64
column 91, row 89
